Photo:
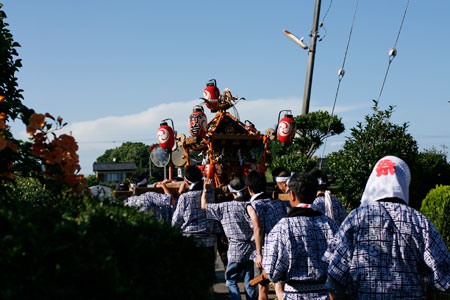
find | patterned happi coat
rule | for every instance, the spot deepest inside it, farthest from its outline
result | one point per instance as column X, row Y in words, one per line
column 269, row 211
column 339, row 212
column 236, row 226
column 191, row 218
column 293, row 253
column 157, row 203
column 385, row 249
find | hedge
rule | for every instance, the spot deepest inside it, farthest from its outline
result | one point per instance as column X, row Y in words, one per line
column 89, row 250
column 436, row 206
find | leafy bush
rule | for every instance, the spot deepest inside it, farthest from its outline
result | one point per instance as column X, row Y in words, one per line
column 92, row 180
column 370, row 140
column 436, row 206
column 28, row 189
column 81, row 249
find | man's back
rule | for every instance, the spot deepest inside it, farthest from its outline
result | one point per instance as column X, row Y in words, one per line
column 387, row 249
column 236, row 227
column 151, row 201
column 300, row 242
column 191, row 219
column 269, row 212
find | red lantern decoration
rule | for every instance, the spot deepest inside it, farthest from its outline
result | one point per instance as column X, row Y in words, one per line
column 166, row 136
column 211, row 93
column 209, row 170
column 198, row 125
column 286, row 129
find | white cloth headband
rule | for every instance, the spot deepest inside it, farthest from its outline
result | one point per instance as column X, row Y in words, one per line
column 192, row 184
column 283, row 179
column 239, row 192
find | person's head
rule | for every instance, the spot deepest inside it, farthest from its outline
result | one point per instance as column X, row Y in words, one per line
column 192, row 174
column 237, row 187
column 276, row 172
column 390, row 178
column 256, row 182
column 322, row 180
column 303, row 187
column 282, row 180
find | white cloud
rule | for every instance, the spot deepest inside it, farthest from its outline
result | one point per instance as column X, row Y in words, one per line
column 96, row 136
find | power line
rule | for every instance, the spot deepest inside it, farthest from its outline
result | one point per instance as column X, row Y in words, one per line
column 341, row 74
column 113, row 142
column 393, row 51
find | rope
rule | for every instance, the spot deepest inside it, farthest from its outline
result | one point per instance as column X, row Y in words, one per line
column 341, row 75
column 393, row 51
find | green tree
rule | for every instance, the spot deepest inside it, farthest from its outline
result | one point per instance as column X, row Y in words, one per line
column 128, row 152
column 45, row 156
column 431, row 169
column 313, row 128
column 311, row 131
column 92, row 180
column 370, row 140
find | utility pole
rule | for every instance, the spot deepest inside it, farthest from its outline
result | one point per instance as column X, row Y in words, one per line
column 311, row 55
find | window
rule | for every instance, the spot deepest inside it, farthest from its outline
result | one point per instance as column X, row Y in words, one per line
column 114, row 176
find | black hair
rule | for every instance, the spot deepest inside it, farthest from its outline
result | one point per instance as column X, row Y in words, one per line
column 319, row 174
column 304, row 186
column 192, row 173
column 237, row 183
column 277, row 171
column 256, row 182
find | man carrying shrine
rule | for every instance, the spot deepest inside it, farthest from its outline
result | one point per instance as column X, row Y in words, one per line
column 190, row 217
column 237, row 228
column 294, row 248
column 160, row 205
column 264, row 213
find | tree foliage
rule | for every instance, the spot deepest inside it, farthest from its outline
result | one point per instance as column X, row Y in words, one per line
column 128, row 152
column 92, row 180
column 293, row 162
column 313, row 128
column 369, row 141
column 311, row 131
column 431, row 169
column 50, row 158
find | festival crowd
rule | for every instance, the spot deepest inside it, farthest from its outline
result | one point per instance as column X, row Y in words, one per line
column 308, row 246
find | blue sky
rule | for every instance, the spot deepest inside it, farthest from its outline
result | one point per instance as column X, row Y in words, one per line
column 114, row 69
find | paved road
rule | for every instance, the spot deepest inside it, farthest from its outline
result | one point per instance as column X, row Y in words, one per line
column 221, row 290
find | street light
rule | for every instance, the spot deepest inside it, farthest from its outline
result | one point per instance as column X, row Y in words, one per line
column 295, row 39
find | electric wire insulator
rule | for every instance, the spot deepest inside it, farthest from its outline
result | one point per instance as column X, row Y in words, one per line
column 393, row 52
column 341, row 72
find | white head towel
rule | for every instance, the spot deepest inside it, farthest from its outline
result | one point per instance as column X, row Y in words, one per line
column 389, row 178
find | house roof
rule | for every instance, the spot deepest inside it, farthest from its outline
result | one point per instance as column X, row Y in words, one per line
column 122, row 166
